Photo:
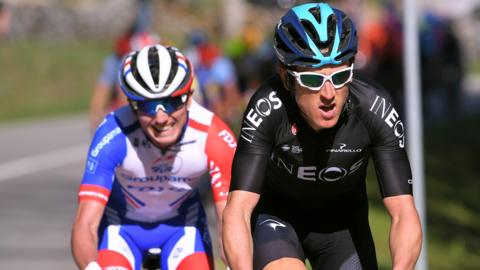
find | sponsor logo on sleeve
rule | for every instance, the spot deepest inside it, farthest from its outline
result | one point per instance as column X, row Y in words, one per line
column 391, row 118
column 228, row 138
column 91, row 165
column 105, row 141
column 255, row 116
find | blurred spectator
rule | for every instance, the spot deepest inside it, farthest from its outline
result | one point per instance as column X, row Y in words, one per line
column 195, row 39
column 441, row 66
column 381, row 57
column 216, row 76
column 5, row 20
column 107, row 95
column 380, row 51
column 253, row 57
column 144, row 16
column 256, row 61
column 453, row 70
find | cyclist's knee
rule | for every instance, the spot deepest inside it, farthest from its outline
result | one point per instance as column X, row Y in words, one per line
column 110, row 258
column 286, row 263
column 198, row 260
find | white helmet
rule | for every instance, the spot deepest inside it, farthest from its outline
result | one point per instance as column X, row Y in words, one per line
column 155, row 72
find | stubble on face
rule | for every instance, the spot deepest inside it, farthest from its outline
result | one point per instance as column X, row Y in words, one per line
column 320, row 109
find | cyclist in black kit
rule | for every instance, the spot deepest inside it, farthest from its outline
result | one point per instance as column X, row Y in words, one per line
column 298, row 181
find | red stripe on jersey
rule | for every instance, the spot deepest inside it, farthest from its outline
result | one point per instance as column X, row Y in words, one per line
column 93, row 192
column 219, row 188
column 220, row 148
column 196, row 125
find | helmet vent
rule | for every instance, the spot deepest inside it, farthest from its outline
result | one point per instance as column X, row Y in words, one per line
column 136, row 74
column 346, row 27
column 307, row 61
column 296, row 39
column 174, row 68
column 348, row 34
column 280, row 45
column 316, row 14
column 154, row 64
column 310, row 29
column 326, row 47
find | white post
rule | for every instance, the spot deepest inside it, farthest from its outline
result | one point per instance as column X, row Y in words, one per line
column 413, row 100
column 234, row 16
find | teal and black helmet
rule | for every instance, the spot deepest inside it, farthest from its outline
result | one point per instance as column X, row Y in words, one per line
column 313, row 35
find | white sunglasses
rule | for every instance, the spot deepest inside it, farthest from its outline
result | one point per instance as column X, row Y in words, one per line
column 314, row 81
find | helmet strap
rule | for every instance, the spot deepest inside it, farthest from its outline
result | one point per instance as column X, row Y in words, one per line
column 286, row 80
column 133, row 105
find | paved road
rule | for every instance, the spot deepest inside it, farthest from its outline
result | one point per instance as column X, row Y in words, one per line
column 40, row 166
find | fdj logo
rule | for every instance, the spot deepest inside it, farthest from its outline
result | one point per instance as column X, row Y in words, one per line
column 391, row 117
column 228, row 138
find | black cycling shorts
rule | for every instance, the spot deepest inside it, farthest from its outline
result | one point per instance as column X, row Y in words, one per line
column 344, row 249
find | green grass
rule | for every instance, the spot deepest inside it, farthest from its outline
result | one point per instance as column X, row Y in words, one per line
column 475, row 67
column 43, row 78
column 452, row 181
column 453, row 187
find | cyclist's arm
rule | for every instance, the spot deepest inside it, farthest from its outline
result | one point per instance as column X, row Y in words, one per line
column 107, row 150
column 220, row 149
column 255, row 145
column 237, row 230
column 247, row 181
column 394, row 178
column 220, row 207
column 84, row 232
column 405, row 231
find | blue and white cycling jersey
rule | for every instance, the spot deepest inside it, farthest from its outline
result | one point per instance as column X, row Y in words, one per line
column 139, row 182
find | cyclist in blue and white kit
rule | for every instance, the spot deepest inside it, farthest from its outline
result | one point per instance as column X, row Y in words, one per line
column 298, row 186
column 146, row 160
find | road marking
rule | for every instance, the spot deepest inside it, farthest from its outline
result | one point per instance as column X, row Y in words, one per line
column 42, row 162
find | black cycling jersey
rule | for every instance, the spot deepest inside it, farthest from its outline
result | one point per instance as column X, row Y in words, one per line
column 316, row 180
column 280, row 155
